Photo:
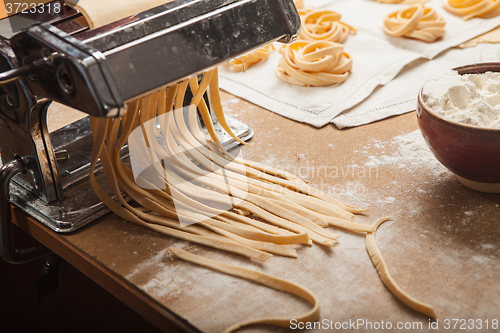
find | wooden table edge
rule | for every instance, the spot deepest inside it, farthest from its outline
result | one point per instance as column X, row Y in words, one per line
column 125, row 291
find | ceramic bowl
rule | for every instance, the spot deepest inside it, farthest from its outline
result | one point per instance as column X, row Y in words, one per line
column 472, row 153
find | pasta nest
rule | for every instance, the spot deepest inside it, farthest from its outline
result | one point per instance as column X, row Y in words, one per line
column 473, row 8
column 320, row 63
column 244, row 62
column 324, row 25
column 417, row 22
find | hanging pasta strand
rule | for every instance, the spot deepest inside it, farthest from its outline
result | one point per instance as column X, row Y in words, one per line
column 187, row 186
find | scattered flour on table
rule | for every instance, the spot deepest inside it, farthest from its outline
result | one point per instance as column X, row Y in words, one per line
column 146, row 264
column 233, row 101
column 390, row 200
column 412, row 152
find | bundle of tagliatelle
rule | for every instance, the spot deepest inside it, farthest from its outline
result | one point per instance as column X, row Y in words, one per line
column 473, row 8
column 418, row 22
column 324, row 25
column 317, row 58
column 321, row 63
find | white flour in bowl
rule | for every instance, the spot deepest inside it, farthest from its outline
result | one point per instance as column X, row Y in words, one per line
column 470, row 99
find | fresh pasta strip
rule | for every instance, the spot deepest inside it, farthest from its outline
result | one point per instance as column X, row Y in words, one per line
column 189, row 177
column 261, row 278
column 259, row 235
column 473, row 8
column 253, row 201
column 256, row 173
column 245, row 191
column 314, row 63
column 324, row 25
column 201, row 155
column 100, row 127
column 383, row 271
column 418, row 22
column 259, row 245
column 244, row 62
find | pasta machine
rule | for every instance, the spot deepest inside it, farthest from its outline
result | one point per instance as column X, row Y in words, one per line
column 58, row 58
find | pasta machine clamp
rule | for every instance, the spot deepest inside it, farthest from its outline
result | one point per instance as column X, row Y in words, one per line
column 98, row 71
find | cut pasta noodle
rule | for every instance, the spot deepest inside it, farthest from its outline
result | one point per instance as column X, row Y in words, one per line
column 244, row 62
column 178, row 179
column 324, row 25
column 314, row 63
column 186, row 186
column 418, row 22
column 473, row 8
column 385, row 276
column 261, row 278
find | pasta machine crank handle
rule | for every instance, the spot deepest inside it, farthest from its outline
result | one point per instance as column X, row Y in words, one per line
column 26, row 70
column 7, row 249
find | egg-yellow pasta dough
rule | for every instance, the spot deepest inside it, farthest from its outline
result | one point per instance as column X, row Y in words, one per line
column 244, row 62
column 314, row 63
column 387, row 279
column 319, row 25
column 418, row 22
column 473, row 8
column 260, row 278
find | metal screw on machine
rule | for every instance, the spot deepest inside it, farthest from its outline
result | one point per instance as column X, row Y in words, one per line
column 62, row 156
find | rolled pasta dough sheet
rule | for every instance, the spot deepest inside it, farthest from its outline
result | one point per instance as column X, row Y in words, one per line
column 102, row 12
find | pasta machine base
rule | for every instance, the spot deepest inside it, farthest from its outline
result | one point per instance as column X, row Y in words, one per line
column 80, row 205
column 98, row 71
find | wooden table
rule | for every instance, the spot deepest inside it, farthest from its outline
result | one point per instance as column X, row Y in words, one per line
column 443, row 246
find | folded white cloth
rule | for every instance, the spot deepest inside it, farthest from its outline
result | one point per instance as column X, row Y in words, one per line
column 400, row 95
column 377, row 59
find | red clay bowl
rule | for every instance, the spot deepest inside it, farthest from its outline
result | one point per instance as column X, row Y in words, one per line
column 472, row 153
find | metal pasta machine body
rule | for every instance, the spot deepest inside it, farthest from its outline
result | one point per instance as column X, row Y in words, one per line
column 97, row 71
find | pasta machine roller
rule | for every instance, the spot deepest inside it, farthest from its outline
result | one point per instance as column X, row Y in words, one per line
column 58, row 58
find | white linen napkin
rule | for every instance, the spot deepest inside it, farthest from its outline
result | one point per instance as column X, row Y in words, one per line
column 400, row 95
column 377, row 59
